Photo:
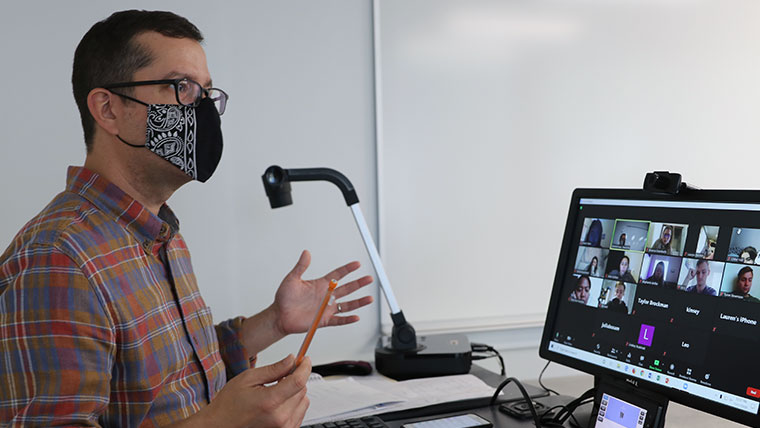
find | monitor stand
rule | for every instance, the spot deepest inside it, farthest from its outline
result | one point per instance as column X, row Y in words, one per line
column 582, row 415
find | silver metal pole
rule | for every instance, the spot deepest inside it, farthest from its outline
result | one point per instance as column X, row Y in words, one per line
column 374, row 256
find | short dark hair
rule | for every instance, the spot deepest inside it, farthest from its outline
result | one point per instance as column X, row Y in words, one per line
column 108, row 54
column 744, row 270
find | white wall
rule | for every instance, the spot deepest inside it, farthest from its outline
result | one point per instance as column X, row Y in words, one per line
column 584, row 77
column 299, row 75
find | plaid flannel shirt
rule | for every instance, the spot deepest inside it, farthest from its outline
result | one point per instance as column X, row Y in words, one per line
column 101, row 320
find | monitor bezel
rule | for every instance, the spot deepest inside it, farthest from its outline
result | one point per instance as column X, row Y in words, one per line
column 702, row 404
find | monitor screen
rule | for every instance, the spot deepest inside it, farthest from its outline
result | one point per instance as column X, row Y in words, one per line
column 659, row 291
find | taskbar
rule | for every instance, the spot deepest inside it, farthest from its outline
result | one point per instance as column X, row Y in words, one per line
column 667, row 381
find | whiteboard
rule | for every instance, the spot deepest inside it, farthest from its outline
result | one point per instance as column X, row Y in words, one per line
column 491, row 112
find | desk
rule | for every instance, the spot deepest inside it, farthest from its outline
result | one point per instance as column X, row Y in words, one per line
column 678, row 415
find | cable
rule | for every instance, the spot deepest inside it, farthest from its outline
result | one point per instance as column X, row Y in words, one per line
column 545, row 419
column 541, row 383
column 567, row 410
column 490, row 352
column 525, row 395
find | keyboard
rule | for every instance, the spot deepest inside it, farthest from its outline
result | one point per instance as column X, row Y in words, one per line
column 365, row 422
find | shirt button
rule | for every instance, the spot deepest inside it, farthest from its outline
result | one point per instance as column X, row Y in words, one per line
column 147, row 244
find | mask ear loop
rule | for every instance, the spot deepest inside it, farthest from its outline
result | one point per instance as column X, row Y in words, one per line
column 137, row 101
column 130, row 144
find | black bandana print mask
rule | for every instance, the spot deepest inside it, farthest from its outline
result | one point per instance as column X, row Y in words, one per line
column 190, row 138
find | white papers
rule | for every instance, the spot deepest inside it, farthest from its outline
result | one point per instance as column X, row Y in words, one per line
column 331, row 399
column 356, row 397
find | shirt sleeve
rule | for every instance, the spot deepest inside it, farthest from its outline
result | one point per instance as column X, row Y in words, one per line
column 233, row 352
column 58, row 344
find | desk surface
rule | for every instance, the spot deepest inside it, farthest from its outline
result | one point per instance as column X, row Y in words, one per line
column 677, row 416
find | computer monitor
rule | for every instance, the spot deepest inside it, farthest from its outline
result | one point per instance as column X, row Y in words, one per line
column 657, row 291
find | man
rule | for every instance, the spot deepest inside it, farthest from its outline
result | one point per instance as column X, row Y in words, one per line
column 744, row 285
column 101, row 320
column 702, row 272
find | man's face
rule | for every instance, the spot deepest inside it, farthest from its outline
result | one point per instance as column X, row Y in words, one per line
column 745, row 282
column 619, row 292
column 172, row 58
column 703, row 271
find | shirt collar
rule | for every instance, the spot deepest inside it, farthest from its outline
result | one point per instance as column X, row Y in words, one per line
column 150, row 230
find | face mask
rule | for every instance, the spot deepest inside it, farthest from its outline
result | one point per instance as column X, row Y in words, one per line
column 190, row 138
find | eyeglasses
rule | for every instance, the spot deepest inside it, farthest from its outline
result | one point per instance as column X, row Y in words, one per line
column 188, row 92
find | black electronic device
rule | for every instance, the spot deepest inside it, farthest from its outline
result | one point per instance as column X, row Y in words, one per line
column 620, row 405
column 438, row 354
column 521, row 409
column 469, row 420
column 349, row 368
column 403, row 356
column 654, row 288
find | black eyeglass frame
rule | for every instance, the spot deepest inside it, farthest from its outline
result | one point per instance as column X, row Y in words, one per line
column 175, row 83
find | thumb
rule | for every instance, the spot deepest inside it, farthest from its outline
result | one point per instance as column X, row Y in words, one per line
column 303, row 263
column 273, row 372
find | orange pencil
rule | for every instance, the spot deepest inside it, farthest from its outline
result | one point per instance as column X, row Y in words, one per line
column 315, row 323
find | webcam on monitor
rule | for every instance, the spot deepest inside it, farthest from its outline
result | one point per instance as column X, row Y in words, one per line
column 665, row 182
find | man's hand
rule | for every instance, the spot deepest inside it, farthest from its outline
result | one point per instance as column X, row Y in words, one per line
column 246, row 402
column 297, row 300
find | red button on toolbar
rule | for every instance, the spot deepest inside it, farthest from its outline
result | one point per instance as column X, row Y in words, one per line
column 752, row 392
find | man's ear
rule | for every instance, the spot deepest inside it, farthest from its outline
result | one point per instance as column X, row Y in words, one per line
column 101, row 104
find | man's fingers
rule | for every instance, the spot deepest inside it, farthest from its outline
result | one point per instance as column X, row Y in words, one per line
column 352, row 286
column 303, row 263
column 348, row 319
column 352, row 305
column 296, row 381
column 342, row 271
column 268, row 374
column 302, row 404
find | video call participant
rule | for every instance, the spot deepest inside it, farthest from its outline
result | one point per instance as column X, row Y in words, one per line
column 623, row 273
column 581, row 291
column 709, row 252
column 617, row 304
column 593, row 266
column 594, row 234
column 666, row 238
column 702, row 272
column 748, row 255
column 744, row 284
column 658, row 275
column 621, row 240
